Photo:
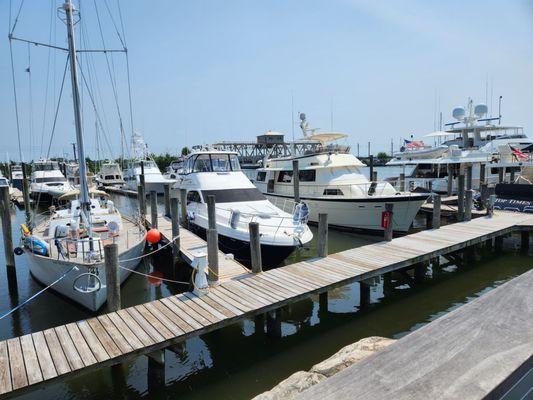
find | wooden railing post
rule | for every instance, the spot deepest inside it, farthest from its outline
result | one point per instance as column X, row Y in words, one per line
column 436, row 211
column 255, row 247
column 212, row 240
column 174, row 216
column 322, row 240
column 153, row 208
column 183, row 204
column 389, row 207
column 296, row 180
column 112, row 274
column 166, row 189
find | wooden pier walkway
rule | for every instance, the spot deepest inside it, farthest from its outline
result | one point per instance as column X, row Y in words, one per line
column 477, row 351
column 228, row 268
column 82, row 346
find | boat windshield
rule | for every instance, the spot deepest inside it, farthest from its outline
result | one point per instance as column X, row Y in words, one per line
column 46, row 167
column 234, row 195
column 213, row 163
column 50, row 179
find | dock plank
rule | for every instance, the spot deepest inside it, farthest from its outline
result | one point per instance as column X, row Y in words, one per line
column 16, row 364
column 33, row 369
column 69, row 349
column 5, row 373
column 56, row 352
column 43, row 355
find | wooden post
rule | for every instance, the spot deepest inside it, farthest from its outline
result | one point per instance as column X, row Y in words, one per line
column 468, row 204
column 273, row 323
column 364, row 295
column 142, row 201
column 255, row 247
column 156, row 371
column 183, row 204
column 512, row 177
column 490, row 205
column 26, row 194
column 323, row 303
column 468, row 177
column 374, row 176
column 112, row 275
column 498, row 243
column 322, row 241
column 449, row 171
column 166, row 188
column 500, row 174
column 481, row 174
column 6, row 227
column 371, row 166
column 402, row 182
column 212, row 240
column 259, row 324
column 153, row 208
column 524, row 241
column 420, row 272
column 174, row 216
column 296, row 180
column 460, row 197
column 484, row 192
column 389, row 207
column 436, row 211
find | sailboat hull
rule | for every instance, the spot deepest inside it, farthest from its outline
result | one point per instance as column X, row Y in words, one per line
column 46, row 270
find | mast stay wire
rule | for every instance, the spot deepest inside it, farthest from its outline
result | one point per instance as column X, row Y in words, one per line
column 30, row 99
column 113, row 83
column 43, row 127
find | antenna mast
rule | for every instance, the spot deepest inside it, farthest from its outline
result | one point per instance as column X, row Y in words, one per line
column 68, row 7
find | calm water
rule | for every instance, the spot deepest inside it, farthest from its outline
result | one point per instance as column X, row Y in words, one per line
column 236, row 363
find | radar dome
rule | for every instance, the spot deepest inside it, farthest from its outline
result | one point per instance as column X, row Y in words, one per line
column 480, row 110
column 459, row 113
column 302, row 116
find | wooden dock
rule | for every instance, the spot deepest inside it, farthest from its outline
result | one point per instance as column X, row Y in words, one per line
column 477, row 351
column 78, row 347
column 228, row 268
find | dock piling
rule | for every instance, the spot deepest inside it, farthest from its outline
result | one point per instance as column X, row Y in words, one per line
column 296, row 180
column 468, row 204
column 322, row 241
column 174, row 217
column 212, row 240
column 374, row 176
column 481, row 174
column 460, row 197
column 255, row 247
column 402, row 182
column 153, row 208
column 371, row 166
column 112, row 277
column 364, row 294
column 273, row 324
column 26, row 194
column 389, row 207
column 501, row 174
column 524, row 241
column 141, row 197
column 156, row 371
column 436, row 211
column 420, row 272
column 468, row 177
column 166, row 189
column 6, row 227
column 183, row 204
column 512, row 175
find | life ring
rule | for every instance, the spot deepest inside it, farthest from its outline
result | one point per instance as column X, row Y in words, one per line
column 18, row 251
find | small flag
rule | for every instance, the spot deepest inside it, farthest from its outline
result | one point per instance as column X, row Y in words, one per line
column 414, row 144
column 518, row 154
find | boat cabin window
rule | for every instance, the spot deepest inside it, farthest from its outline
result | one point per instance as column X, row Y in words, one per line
column 46, row 167
column 3, row 182
column 193, row 197
column 52, row 179
column 202, row 163
column 220, row 163
column 234, row 195
column 261, row 176
column 213, row 163
column 333, row 192
column 234, row 160
column 307, row 175
column 285, row 176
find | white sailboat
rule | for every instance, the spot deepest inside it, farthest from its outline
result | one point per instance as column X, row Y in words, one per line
column 69, row 246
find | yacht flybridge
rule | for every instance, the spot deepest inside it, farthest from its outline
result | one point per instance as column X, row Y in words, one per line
column 478, row 142
column 153, row 178
column 47, row 182
column 110, row 174
column 332, row 182
column 238, row 202
column 67, row 249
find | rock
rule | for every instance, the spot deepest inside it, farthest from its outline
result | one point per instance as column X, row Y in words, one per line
column 290, row 387
column 350, row 355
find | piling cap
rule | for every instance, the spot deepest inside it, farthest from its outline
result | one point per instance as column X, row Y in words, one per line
column 153, row 236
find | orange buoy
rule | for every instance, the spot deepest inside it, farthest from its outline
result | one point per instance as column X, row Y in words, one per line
column 153, row 236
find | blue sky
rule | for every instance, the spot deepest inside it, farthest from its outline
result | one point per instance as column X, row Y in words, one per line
column 205, row 71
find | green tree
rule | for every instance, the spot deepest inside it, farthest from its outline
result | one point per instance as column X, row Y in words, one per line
column 185, row 150
column 382, row 155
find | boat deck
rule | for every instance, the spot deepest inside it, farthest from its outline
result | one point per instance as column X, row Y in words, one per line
column 78, row 347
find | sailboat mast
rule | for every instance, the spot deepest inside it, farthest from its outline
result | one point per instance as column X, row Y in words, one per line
column 68, row 7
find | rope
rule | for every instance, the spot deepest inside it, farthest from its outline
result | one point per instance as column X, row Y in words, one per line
column 153, row 276
column 38, row 293
column 152, row 252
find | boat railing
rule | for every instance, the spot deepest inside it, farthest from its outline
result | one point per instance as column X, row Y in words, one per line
column 88, row 249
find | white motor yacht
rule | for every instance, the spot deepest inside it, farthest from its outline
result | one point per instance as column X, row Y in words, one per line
column 153, row 178
column 110, row 174
column 477, row 143
column 47, row 182
column 332, row 181
column 238, row 202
